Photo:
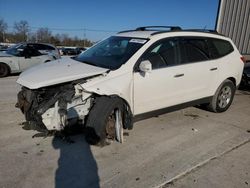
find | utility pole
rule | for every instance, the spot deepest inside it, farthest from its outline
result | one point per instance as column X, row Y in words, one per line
column 3, row 36
column 84, row 36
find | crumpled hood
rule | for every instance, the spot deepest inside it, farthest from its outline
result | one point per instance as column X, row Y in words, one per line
column 56, row 72
column 3, row 54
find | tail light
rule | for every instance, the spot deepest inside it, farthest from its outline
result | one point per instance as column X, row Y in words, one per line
column 243, row 59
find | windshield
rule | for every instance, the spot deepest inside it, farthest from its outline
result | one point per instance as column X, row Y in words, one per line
column 112, row 52
column 13, row 50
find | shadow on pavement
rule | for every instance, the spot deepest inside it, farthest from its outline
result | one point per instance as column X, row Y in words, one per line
column 14, row 74
column 76, row 164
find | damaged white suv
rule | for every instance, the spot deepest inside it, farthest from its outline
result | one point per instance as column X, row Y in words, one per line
column 133, row 75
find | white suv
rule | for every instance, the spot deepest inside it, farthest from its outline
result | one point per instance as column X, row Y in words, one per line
column 133, row 75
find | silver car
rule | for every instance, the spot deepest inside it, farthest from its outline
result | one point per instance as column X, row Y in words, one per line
column 19, row 58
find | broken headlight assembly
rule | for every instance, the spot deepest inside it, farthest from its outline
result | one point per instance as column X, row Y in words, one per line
column 55, row 107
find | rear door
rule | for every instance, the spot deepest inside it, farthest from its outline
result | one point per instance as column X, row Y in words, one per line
column 200, row 70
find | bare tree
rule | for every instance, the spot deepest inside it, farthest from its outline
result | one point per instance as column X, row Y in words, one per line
column 22, row 33
column 3, row 29
column 43, row 35
column 21, row 29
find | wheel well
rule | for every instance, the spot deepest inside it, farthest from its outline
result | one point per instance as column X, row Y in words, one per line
column 112, row 96
column 232, row 80
column 128, row 113
column 7, row 66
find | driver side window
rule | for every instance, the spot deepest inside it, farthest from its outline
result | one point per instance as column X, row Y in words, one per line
column 162, row 54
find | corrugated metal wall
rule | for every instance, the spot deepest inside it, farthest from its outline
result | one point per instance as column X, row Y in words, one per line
column 234, row 21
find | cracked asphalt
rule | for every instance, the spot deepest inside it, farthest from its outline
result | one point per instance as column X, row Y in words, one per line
column 186, row 148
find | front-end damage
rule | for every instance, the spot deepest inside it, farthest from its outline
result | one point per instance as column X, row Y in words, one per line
column 55, row 107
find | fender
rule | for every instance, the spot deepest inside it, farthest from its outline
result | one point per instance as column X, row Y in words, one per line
column 112, row 84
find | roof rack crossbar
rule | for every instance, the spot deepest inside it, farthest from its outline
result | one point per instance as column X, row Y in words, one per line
column 153, row 28
column 172, row 28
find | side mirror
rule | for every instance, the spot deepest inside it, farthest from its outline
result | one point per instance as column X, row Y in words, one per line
column 145, row 66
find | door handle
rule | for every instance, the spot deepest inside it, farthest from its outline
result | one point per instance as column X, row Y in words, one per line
column 213, row 69
column 178, row 75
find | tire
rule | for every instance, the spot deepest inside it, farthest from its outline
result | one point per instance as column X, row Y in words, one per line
column 223, row 97
column 4, row 70
column 100, row 126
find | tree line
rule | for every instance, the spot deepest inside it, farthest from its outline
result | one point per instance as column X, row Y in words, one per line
column 21, row 32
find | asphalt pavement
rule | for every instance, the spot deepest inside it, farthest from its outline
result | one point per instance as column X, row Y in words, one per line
column 186, row 148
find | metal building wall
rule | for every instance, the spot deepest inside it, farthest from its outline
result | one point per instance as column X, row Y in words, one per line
column 233, row 20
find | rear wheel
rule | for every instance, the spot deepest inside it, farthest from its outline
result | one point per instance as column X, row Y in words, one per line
column 223, row 97
column 102, row 121
column 4, row 70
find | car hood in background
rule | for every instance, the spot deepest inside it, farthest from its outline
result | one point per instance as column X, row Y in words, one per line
column 56, row 72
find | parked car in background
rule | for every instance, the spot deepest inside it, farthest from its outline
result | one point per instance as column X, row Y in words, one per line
column 3, row 47
column 69, row 51
column 45, row 49
column 245, row 82
column 72, row 51
column 81, row 49
column 20, row 57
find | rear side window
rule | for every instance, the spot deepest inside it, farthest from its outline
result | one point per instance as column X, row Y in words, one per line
column 220, row 48
column 193, row 50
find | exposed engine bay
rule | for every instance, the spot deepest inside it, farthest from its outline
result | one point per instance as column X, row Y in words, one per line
column 55, row 107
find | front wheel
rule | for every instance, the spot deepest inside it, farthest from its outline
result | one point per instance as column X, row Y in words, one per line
column 104, row 118
column 4, row 70
column 223, row 97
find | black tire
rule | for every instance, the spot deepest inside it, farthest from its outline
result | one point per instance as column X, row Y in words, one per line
column 223, row 97
column 96, row 127
column 4, row 70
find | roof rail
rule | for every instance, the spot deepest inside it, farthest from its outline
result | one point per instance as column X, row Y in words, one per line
column 164, row 29
column 202, row 30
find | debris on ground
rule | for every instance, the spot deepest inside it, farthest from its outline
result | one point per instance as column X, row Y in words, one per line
column 195, row 130
column 194, row 116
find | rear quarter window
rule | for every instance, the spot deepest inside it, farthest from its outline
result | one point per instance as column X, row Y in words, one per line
column 221, row 48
